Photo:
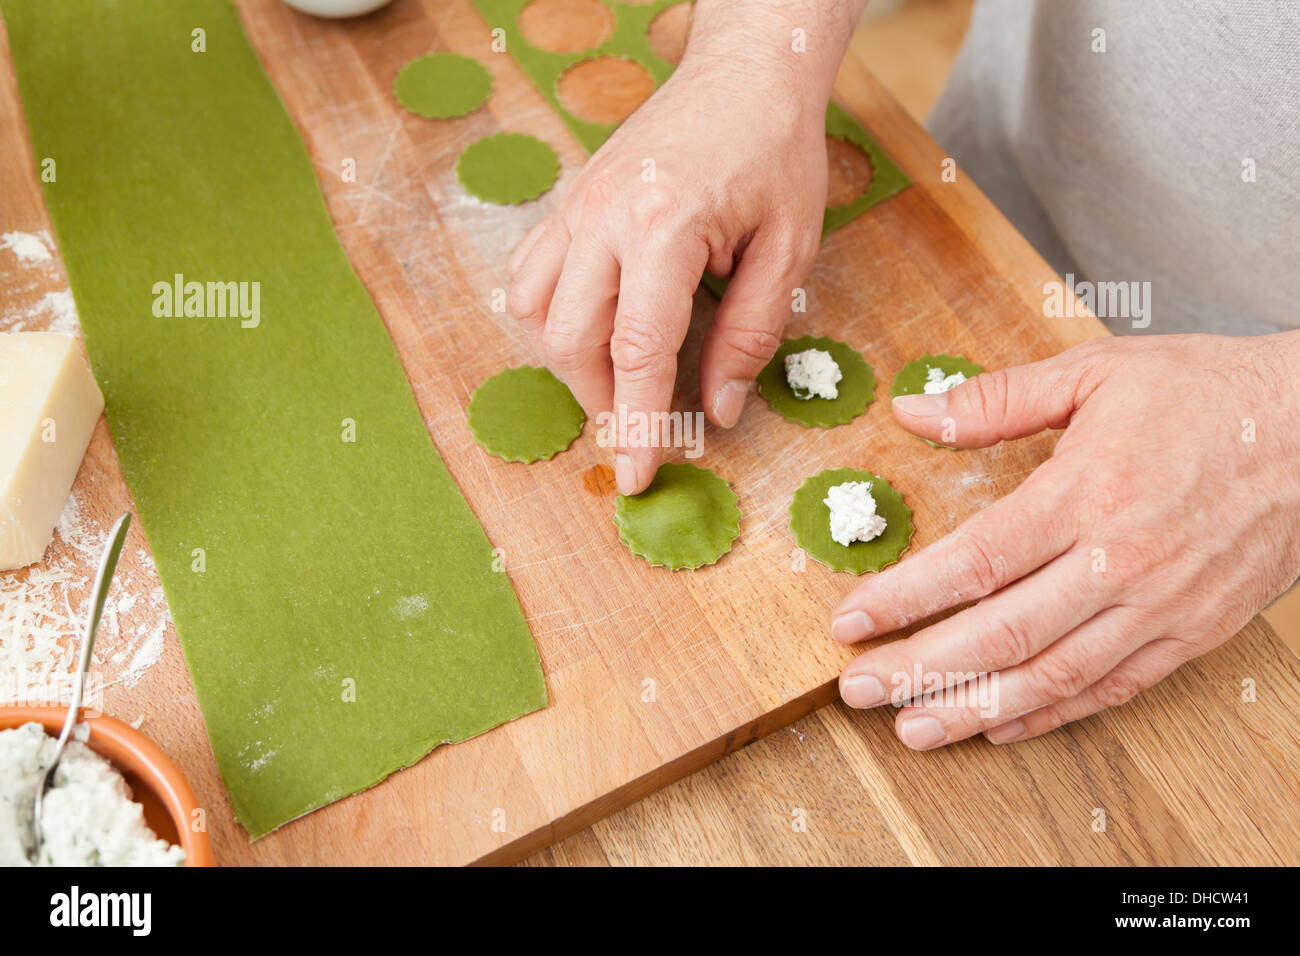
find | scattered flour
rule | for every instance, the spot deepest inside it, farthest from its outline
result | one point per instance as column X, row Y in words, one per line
column 936, row 381
column 853, row 512
column 27, row 247
column 411, row 606
column 812, row 372
column 257, row 756
column 55, row 312
column 43, row 608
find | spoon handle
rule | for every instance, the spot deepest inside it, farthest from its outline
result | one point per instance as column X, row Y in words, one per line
column 103, row 580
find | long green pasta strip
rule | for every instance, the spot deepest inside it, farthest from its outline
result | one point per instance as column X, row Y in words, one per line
column 335, row 598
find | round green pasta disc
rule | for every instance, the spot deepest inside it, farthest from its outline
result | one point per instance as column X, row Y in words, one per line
column 507, row 168
column 857, row 387
column 442, row 85
column 687, row 518
column 910, row 379
column 810, row 523
column 524, row 414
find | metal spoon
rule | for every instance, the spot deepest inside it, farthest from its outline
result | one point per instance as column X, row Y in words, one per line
column 103, row 579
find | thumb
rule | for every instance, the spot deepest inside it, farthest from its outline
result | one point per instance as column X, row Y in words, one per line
column 747, row 329
column 998, row 406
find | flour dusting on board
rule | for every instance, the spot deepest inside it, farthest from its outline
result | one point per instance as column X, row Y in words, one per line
column 43, row 608
column 54, row 312
column 27, row 247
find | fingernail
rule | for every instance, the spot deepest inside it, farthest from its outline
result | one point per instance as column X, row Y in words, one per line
column 852, row 626
column 862, row 690
column 922, row 733
column 624, row 474
column 1007, row 733
column 729, row 402
column 922, row 406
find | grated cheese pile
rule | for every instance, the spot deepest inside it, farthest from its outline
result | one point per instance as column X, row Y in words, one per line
column 43, row 609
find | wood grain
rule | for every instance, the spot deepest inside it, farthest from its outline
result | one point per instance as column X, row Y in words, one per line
column 1189, row 774
column 738, row 650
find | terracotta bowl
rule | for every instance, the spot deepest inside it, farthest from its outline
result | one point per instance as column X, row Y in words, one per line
column 155, row 782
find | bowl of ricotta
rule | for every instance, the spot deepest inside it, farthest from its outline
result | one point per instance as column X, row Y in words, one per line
column 116, row 798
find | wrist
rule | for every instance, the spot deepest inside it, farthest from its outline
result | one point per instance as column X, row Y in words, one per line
column 785, row 53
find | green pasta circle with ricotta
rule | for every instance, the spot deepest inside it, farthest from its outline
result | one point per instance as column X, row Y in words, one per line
column 857, row 387
column 810, row 523
column 911, row 378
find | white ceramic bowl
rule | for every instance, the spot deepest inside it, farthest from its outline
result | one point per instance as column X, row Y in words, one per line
column 336, row 8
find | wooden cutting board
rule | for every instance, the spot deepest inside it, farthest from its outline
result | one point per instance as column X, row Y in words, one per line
column 651, row 674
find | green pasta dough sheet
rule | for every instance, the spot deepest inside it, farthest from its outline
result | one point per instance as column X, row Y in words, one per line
column 524, row 414
column 857, row 387
column 629, row 40
column 333, row 592
column 886, row 178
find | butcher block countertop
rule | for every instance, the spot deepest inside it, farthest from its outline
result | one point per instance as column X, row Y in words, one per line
column 654, row 675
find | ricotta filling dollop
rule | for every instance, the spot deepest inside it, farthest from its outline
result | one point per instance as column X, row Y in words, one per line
column 936, row 380
column 812, row 372
column 89, row 818
column 853, row 513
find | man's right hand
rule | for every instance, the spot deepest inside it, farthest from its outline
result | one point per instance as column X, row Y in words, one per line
column 723, row 168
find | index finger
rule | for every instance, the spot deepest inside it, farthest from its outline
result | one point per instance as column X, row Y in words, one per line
column 655, row 296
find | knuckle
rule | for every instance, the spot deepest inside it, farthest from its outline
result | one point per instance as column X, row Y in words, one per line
column 1052, row 717
column 808, row 244
column 978, row 564
column 1116, row 689
column 521, row 303
column 755, row 344
column 649, row 205
column 986, row 395
column 1058, row 676
column 796, row 251
column 563, row 346
column 598, row 195
column 1005, row 643
column 638, row 348
column 1140, row 555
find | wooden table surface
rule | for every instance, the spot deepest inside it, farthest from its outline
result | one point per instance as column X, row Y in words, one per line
column 1187, row 773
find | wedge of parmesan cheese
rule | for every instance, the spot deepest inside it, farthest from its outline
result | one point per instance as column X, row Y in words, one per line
column 49, row 404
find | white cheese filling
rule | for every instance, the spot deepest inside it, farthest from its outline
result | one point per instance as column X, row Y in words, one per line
column 853, row 512
column 89, row 818
column 812, row 372
column 936, row 381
